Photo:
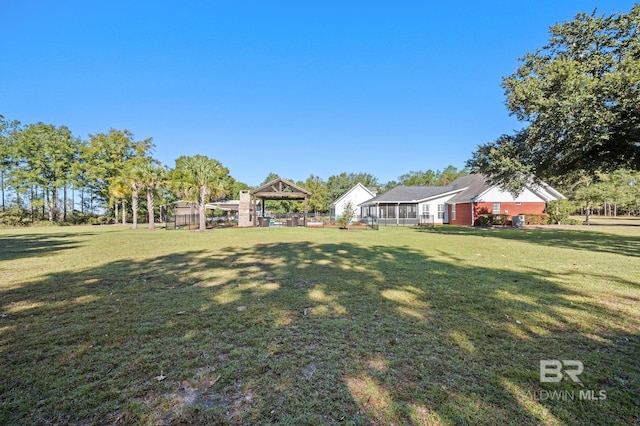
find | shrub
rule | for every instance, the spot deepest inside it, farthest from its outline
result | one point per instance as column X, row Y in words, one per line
column 347, row 215
column 97, row 220
column 483, row 220
column 492, row 220
column 559, row 211
column 535, row 218
column 13, row 216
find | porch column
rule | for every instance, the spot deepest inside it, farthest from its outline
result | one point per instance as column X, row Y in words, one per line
column 473, row 215
column 306, row 209
column 255, row 210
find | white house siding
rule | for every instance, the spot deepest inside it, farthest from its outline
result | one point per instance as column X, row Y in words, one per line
column 357, row 195
column 433, row 208
column 497, row 195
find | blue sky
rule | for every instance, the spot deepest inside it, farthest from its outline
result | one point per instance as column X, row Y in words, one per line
column 291, row 87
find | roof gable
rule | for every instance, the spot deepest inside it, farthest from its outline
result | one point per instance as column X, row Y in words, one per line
column 476, row 186
column 280, row 188
column 353, row 189
column 472, row 186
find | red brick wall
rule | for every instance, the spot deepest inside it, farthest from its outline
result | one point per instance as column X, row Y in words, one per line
column 511, row 208
column 463, row 210
column 463, row 214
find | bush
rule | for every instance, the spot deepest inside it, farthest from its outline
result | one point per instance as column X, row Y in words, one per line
column 99, row 220
column 483, row 220
column 535, row 219
column 347, row 216
column 559, row 211
column 13, row 216
column 493, row 220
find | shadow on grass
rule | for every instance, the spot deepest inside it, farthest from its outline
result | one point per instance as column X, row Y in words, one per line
column 598, row 242
column 306, row 333
column 34, row 245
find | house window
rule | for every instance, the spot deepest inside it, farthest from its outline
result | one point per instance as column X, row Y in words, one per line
column 440, row 211
column 496, row 208
column 453, row 212
column 425, row 211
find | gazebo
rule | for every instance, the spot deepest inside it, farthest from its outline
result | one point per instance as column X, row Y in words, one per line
column 279, row 189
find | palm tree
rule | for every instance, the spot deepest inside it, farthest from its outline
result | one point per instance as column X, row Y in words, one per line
column 198, row 178
column 119, row 189
column 132, row 175
column 151, row 177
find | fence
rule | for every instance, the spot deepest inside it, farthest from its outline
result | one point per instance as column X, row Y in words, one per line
column 192, row 221
column 422, row 220
column 371, row 222
column 426, row 220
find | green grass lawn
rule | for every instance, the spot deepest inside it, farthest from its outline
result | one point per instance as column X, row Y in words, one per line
column 103, row 325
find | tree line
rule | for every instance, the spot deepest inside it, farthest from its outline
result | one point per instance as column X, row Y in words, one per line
column 44, row 169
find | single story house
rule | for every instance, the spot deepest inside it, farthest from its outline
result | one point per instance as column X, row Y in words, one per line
column 356, row 195
column 478, row 197
column 459, row 203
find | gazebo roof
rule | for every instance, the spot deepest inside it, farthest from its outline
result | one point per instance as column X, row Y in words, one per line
column 279, row 189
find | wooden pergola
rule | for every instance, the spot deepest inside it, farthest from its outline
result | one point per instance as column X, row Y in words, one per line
column 279, row 189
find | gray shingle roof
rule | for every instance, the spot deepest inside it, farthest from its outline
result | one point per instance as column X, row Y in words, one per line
column 470, row 186
column 475, row 185
column 409, row 194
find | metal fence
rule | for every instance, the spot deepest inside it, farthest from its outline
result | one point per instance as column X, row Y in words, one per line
column 426, row 220
column 422, row 220
column 192, row 221
column 371, row 222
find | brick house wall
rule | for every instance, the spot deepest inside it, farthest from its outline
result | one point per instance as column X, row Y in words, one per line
column 511, row 208
column 463, row 214
column 463, row 210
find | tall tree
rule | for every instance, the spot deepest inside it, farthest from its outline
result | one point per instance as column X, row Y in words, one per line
column 426, row 178
column 579, row 99
column 132, row 174
column 271, row 176
column 105, row 156
column 197, row 179
column 234, row 187
column 7, row 152
column 318, row 188
column 119, row 190
column 45, row 156
column 151, row 177
column 449, row 174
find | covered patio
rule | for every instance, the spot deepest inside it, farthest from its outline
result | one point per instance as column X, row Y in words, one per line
column 279, row 189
